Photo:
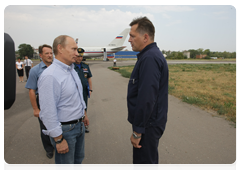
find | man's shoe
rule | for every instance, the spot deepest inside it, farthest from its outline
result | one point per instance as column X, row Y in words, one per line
column 49, row 155
column 86, row 131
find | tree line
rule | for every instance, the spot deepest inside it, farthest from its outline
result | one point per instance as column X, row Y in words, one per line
column 25, row 50
column 193, row 53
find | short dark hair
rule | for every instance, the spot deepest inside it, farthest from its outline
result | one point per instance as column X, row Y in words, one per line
column 144, row 26
column 40, row 48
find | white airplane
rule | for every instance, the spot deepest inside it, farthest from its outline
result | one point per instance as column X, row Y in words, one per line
column 113, row 47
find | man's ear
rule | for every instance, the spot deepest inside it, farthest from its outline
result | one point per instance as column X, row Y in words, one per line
column 59, row 47
column 146, row 38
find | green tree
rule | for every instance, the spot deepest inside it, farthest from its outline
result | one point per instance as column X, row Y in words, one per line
column 200, row 51
column 180, row 55
column 25, row 50
column 207, row 52
column 233, row 55
column 193, row 53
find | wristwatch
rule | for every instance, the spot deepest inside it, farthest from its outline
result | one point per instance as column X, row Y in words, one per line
column 59, row 141
column 136, row 136
column 90, row 90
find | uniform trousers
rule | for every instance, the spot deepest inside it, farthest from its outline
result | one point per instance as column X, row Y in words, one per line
column 27, row 69
column 148, row 153
column 45, row 138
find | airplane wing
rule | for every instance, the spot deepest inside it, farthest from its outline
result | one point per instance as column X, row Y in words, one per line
column 118, row 48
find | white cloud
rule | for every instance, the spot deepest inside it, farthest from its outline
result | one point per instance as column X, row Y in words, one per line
column 169, row 8
column 166, row 16
column 44, row 23
column 174, row 23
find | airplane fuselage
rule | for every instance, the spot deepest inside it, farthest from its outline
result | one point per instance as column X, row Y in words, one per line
column 98, row 51
column 114, row 46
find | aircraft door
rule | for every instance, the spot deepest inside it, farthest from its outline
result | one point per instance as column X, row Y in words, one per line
column 104, row 54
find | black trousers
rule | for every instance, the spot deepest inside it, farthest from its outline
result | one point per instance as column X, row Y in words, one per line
column 45, row 138
column 148, row 153
column 27, row 69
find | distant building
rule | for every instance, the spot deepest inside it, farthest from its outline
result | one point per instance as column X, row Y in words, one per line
column 187, row 54
column 213, row 58
column 201, row 56
column 36, row 53
column 124, row 54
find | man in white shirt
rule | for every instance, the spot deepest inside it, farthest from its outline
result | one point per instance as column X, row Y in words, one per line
column 62, row 104
column 28, row 64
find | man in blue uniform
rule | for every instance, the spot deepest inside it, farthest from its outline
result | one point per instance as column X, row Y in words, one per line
column 45, row 52
column 147, row 97
column 85, row 75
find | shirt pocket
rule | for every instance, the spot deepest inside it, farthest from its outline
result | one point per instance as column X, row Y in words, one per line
column 133, row 87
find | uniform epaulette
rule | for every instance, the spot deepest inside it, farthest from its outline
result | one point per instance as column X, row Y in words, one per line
column 85, row 63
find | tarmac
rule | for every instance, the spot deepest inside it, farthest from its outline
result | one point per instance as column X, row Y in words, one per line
column 192, row 135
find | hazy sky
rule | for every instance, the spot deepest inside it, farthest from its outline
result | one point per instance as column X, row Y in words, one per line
column 178, row 27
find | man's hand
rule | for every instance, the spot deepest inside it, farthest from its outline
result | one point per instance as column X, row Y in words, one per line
column 36, row 112
column 62, row 147
column 86, row 120
column 135, row 142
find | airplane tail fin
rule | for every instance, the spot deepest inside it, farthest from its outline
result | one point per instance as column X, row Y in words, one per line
column 119, row 40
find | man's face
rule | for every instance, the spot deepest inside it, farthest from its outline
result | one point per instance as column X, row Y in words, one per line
column 26, row 57
column 47, row 55
column 136, row 39
column 79, row 59
column 70, row 53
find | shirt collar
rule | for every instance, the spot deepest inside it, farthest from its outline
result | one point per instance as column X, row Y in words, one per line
column 42, row 64
column 76, row 65
column 65, row 67
column 146, row 48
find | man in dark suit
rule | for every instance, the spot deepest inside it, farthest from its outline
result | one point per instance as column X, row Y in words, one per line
column 147, row 97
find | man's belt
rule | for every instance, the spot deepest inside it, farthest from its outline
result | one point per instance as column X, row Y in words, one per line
column 73, row 121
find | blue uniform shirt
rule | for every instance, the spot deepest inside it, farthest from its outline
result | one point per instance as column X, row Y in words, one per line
column 84, row 73
column 34, row 74
column 60, row 97
column 147, row 97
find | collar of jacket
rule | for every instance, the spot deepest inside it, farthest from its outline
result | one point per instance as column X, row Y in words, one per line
column 145, row 49
column 75, row 65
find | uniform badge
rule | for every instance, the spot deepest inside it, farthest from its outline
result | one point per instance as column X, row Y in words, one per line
column 85, row 75
column 85, row 70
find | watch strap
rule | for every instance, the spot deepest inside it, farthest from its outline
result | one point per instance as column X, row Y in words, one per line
column 59, row 140
column 136, row 136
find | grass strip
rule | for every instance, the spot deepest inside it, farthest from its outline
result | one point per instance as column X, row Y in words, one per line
column 209, row 86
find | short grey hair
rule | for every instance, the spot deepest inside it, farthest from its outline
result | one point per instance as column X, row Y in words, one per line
column 62, row 40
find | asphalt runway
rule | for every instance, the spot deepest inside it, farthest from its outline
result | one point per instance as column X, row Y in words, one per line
column 192, row 135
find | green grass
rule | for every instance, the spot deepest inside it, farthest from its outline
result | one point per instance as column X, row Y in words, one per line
column 125, row 71
column 209, row 86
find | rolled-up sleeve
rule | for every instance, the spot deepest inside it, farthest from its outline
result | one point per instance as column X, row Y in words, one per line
column 49, row 95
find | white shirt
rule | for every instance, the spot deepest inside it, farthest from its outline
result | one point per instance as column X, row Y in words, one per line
column 28, row 62
column 60, row 97
column 19, row 65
